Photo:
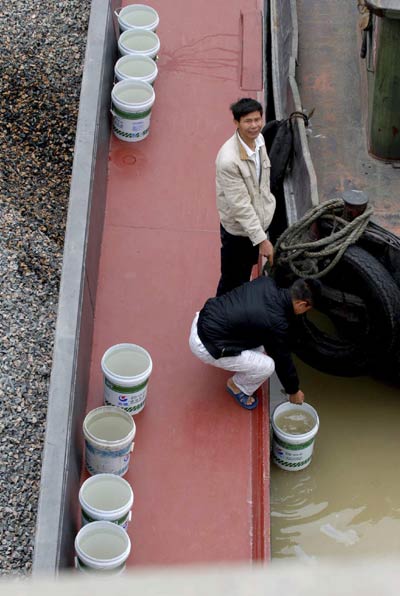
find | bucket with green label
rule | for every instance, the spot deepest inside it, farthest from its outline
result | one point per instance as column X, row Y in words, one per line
column 106, row 497
column 132, row 102
column 126, row 369
column 294, row 430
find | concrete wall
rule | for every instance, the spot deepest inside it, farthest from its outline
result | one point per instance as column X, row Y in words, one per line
column 62, row 456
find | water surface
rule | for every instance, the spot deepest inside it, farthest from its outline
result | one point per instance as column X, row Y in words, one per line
column 347, row 502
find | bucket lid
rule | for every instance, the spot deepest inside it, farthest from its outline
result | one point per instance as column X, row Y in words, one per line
column 113, row 375
column 96, row 501
column 103, row 412
column 87, row 538
column 300, row 438
column 146, row 17
column 135, row 66
column 140, row 42
column 141, row 101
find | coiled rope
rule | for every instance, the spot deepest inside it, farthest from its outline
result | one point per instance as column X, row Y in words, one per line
column 314, row 258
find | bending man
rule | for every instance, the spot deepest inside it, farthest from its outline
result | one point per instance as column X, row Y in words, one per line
column 247, row 331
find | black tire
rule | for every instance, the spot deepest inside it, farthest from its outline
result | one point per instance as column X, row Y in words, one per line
column 371, row 342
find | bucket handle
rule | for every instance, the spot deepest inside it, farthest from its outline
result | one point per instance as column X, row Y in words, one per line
column 132, row 446
column 116, row 12
column 130, row 516
column 76, row 563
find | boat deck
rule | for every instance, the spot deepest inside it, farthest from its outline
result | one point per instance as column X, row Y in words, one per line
column 332, row 79
column 200, row 469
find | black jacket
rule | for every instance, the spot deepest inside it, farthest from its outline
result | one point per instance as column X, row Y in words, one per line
column 258, row 313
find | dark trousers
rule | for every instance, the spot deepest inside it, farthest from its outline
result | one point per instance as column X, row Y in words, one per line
column 238, row 256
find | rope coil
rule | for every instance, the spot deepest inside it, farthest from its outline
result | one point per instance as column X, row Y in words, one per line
column 307, row 257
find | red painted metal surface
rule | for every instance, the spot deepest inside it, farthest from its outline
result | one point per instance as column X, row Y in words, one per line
column 200, row 469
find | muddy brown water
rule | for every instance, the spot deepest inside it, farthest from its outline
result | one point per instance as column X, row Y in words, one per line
column 347, row 501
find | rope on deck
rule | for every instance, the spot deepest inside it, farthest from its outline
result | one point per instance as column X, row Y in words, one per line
column 312, row 257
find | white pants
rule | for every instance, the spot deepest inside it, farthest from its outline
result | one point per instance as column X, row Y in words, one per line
column 251, row 367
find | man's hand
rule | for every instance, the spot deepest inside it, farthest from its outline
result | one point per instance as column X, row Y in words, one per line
column 267, row 250
column 296, row 398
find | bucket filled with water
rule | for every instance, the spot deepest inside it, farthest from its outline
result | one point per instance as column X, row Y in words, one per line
column 132, row 102
column 106, row 497
column 126, row 369
column 138, row 16
column 137, row 68
column 140, row 43
column 109, row 433
column 102, row 547
column 294, row 430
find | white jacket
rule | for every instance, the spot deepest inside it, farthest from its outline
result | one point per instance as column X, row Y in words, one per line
column 245, row 205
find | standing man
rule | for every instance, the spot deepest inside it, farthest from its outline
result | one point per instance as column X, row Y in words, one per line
column 244, row 201
column 247, row 331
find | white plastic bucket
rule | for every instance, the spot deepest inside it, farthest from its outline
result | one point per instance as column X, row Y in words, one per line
column 136, row 68
column 132, row 102
column 138, row 16
column 140, row 43
column 109, row 433
column 106, row 497
column 102, row 547
column 293, row 451
column 126, row 369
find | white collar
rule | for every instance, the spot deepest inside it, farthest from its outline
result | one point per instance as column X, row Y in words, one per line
column 259, row 143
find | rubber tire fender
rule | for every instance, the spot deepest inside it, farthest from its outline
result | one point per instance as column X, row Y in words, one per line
column 359, row 273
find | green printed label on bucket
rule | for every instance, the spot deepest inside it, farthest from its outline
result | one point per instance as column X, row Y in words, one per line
column 131, row 399
column 132, row 102
column 128, row 136
column 291, row 456
column 285, row 465
column 131, row 128
column 130, row 409
column 127, row 369
column 294, row 430
column 122, row 521
column 131, row 116
column 125, row 390
column 292, row 446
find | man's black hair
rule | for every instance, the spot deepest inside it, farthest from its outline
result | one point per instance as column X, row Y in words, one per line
column 306, row 289
column 245, row 106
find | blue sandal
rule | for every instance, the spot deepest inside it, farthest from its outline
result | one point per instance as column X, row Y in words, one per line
column 242, row 398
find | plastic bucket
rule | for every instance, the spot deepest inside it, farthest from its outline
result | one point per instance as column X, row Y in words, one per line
column 132, row 102
column 126, row 369
column 140, row 43
column 106, row 497
column 102, row 547
column 136, row 68
column 138, row 16
column 109, row 434
column 293, row 451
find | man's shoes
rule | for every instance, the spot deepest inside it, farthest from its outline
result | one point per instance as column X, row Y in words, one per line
column 242, row 399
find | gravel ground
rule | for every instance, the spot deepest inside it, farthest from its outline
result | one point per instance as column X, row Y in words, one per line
column 42, row 55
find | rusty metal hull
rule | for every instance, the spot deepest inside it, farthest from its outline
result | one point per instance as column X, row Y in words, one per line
column 332, row 79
